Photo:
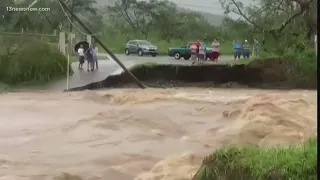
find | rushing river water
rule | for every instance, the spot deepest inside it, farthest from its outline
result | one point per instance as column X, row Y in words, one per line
column 153, row 134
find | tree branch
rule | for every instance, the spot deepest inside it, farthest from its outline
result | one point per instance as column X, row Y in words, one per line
column 304, row 6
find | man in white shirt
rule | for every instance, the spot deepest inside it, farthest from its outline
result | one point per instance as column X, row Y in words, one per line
column 81, row 57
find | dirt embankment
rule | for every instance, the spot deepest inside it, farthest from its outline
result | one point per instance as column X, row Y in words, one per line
column 266, row 74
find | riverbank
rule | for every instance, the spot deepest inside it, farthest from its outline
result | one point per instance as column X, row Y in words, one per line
column 266, row 74
column 252, row 163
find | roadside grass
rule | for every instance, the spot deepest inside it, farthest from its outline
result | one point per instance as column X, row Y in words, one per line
column 32, row 66
column 34, row 61
column 255, row 163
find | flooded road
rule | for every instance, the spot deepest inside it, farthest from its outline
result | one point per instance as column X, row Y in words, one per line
column 152, row 134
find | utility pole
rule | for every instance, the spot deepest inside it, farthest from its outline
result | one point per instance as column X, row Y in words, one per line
column 70, row 29
column 97, row 40
column 71, row 18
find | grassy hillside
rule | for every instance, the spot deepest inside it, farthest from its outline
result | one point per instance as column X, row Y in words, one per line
column 213, row 19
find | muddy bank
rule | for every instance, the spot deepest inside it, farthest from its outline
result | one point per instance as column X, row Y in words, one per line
column 275, row 75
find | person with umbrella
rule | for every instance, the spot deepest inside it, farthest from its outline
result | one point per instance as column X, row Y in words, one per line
column 81, row 56
column 81, row 48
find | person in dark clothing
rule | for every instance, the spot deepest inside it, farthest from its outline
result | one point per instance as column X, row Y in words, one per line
column 237, row 46
column 89, row 56
column 246, row 49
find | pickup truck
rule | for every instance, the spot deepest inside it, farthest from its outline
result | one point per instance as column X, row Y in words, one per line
column 185, row 52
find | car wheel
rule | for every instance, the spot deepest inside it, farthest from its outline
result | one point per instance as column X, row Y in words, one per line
column 187, row 57
column 153, row 55
column 177, row 56
column 140, row 53
column 126, row 51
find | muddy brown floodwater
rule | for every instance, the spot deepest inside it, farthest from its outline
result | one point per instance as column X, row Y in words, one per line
column 133, row 134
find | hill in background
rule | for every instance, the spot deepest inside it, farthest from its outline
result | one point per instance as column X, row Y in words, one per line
column 213, row 19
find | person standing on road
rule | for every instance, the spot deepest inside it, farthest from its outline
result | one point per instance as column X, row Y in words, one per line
column 215, row 51
column 202, row 54
column 237, row 46
column 89, row 55
column 81, row 57
column 255, row 48
column 246, row 49
column 198, row 44
column 194, row 55
column 95, row 56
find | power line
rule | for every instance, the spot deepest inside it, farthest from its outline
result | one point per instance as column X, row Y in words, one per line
column 64, row 12
column 191, row 5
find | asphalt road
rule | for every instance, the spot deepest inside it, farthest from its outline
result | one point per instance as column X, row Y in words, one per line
column 108, row 67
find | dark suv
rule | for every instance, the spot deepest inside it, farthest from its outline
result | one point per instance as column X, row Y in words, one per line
column 141, row 47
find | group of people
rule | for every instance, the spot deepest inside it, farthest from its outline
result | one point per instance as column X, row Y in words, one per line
column 199, row 52
column 90, row 55
column 244, row 49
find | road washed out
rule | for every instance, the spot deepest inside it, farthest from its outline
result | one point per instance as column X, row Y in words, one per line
column 138, row 134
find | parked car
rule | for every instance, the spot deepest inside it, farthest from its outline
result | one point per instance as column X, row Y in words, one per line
column 141, row 47
column 185, row 52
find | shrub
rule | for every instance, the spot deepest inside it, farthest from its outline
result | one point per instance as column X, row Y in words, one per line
column 34, row 61
column 254, row 163
column 304, row 65
column 298, row 66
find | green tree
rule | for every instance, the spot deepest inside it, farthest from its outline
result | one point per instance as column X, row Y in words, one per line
column 138, row 15
column 160, row 18
column 279, row 24
column 46, row 22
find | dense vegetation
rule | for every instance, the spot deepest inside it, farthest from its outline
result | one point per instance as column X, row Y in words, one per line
column 30, row 61
column 254, row 163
